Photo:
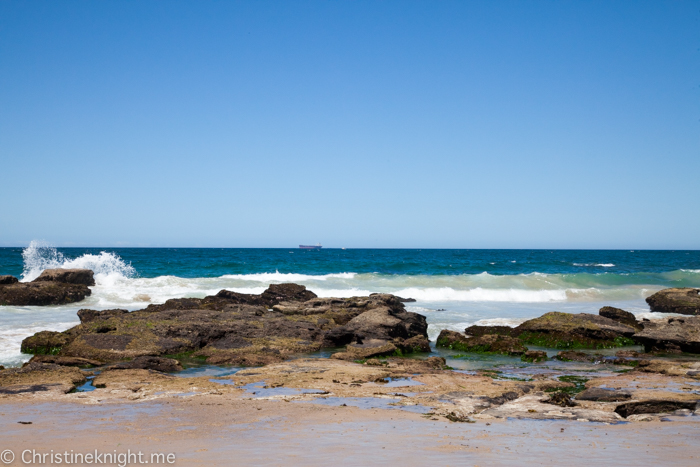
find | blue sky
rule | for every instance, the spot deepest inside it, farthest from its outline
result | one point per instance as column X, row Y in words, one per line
column 540, row 124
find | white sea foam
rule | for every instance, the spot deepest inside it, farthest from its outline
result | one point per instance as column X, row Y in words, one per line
column 277, row 277
column 600, row 265
column 479, row 294
column 120, row 291
column 512, row 322
column 39, row 256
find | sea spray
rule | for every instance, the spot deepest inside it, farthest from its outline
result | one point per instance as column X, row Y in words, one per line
column 108, row 267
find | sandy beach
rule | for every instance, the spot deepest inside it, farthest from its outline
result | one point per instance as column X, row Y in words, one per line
column 211, row 430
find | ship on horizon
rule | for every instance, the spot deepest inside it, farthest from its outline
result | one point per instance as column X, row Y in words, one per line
column 311, row 247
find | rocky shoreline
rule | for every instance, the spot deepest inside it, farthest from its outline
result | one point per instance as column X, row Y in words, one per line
column 378, row 351
column 52, row 287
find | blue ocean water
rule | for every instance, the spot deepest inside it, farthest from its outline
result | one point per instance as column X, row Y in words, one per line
column 452, row 288
column 215, row 262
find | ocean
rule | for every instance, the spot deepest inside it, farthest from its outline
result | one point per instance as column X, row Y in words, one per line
column 452, row 288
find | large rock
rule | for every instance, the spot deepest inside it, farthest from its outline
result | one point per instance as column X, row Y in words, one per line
column 45, row 343
column 42, row 293
column 653, row 406
column 52, row 287
column 233, row 331
column 490, row 343
column 567, row 331
column 276, row 293
column 673, row 334
column 621, row 316
column 685, row 301
column 67, row 276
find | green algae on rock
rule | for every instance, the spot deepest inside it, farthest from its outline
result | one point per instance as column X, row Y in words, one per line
column 488, row 343
column 570, row 331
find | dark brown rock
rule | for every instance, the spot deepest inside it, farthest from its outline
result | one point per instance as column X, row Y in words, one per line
column 603, row 395
column 653, row 406
column 42, row 293
column 685, row 301
column 223, row 330
column 621, row 316
column 106, row 341
column 672, row 335
column 6, row 280
column 87, row 315
column 67, row 276
column 277, row 293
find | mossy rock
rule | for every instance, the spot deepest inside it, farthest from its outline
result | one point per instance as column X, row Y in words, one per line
column 574, row 331
column 489, row 343
column 45, row 343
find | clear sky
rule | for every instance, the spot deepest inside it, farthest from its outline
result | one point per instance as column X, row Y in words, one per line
column 433, row 124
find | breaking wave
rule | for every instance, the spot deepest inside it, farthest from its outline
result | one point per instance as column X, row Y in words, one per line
column 39, row 256
column 117, row 283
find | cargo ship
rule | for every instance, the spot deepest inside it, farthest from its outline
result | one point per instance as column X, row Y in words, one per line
column 311, row 247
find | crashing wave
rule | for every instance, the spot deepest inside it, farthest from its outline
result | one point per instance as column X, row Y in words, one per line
column 107, row 267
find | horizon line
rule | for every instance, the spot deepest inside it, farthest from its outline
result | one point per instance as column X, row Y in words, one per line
column 353, row 248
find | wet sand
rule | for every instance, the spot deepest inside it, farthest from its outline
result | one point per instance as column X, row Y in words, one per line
column 211, row 430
